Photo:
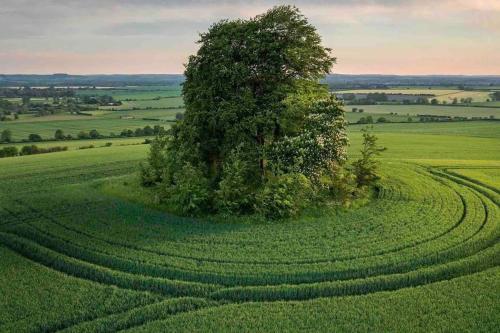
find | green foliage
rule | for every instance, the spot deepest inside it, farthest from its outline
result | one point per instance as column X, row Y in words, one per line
column 189, row 194
column 83, row 135
column 8, row 152
column 365, row 168
column 235, row 195
column 59, row 135
column 6, row 136
column 339, row 183
column 284, row 196
column 34, row 138
column 254, row 110
column 320, row 142
column 94, row 134
column 33, row 149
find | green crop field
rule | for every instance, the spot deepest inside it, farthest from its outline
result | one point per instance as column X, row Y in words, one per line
column 169, row 102
column 441, row 94
column 437, row 91
column 76, row 144
column 438, row 110
column 136, row 93
column 105, row 123
column 85, row 249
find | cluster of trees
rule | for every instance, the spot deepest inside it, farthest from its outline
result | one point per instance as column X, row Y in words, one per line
column 8, row 152
column 101, row 100
column 29, row 150
column 357, row 110
column 146, row 131
column 28, row 92
column 94, row 134
column 371, row 98
column 9, row 109
column 369, row 120
column 260, row 133
column 6, row 136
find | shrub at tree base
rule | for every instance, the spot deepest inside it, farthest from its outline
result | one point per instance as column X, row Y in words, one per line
column 260, row 133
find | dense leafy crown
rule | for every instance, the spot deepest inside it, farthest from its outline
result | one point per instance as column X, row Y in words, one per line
column 255, row 108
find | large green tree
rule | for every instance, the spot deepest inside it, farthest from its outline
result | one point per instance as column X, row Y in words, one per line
column 254, row 106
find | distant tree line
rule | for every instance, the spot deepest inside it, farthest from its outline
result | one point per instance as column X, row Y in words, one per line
column 102, row 100
column 29, row 150
column 36, row 92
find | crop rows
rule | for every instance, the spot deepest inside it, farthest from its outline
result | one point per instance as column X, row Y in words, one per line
column 425, row 226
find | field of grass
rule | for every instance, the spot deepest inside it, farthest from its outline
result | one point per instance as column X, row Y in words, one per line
column 437, row 91
column 76, row 144
column 110, row 123
column 438, row 110
column 170, row 102
column 137, row 93
column 85, row 249
column 441, row 94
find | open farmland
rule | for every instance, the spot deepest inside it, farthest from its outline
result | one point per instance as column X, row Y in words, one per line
column 435, row 110
column 135, row 93
column 105, row 126
column 441, row 94
column 75, row 230
column 255, row 190
column 166, row 102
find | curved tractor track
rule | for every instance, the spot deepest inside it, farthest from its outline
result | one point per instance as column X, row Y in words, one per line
column 426, row 225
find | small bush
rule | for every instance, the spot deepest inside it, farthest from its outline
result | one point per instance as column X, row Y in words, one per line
column 284, row 196
column 339, row 184
column 8, row 152
column 366, row 167
column 234, row 195
column 34, row 137
column 83, row 135
column 190, row 194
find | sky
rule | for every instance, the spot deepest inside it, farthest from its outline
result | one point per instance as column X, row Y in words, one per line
column 156, row 36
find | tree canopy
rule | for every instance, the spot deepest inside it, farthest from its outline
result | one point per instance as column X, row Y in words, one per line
column 257, row 118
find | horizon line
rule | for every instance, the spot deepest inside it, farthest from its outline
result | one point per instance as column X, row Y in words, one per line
column 352, row 74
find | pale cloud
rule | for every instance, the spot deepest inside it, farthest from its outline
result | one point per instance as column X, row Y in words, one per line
column 156, row 36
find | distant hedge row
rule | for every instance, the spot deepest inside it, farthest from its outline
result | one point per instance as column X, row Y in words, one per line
column 29, row 150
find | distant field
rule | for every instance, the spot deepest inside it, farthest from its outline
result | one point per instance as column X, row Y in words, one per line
column 21, row 130
column 480, row 129
column 487, row 176
column 142, row 93
column 441, row 94
column 76, row 144
column 438, row 110
column 164, row 114
column 142, row 104
column 55, row 117
column 32, row 100
column 477, row 96
column 353, row 117
column 414, row 91
column 491, row 103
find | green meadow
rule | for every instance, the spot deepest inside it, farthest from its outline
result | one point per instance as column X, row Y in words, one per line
column 84, row 250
